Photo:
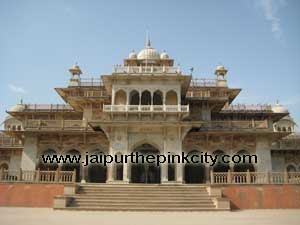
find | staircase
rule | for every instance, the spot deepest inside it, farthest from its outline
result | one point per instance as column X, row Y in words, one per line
column 140, row 197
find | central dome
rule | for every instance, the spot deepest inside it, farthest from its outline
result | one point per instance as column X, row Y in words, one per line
column 148, row 52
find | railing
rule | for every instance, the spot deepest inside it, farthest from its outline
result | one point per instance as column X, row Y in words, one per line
column 6, row 141
column 89, row 94
column 146, row 108
column 204, row 82
column 55, row 124
column 255, row 177
column 47, row 107
column 265, row 108
column 146, row 69
column 38, row 176
column 197, row 93
column 86, row 82
column 233, row 124
column 290, row 142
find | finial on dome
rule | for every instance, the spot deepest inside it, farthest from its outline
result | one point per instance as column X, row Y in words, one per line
column 220, row 70
column 75, row 70
column 148, row 42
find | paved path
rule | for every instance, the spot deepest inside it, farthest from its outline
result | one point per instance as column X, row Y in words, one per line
column 32, row 216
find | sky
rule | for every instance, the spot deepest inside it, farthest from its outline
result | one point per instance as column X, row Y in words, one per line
column 258, row 41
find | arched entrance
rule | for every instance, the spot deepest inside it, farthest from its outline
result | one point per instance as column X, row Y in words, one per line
column 97, row 172
column 145, row 172
column 48, row 166
column 243, row 167
column 220, row 166
column 73, row 154
column 194, row 173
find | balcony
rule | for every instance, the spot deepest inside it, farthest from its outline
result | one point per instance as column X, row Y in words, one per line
column 147, row 108
column 245, row 108
column 10, row 142
column 55, row 125
column 235, row 125
column 147, row 69
column 85, row 82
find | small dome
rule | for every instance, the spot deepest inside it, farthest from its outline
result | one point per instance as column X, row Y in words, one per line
column 279, row 109
column 17, row 108
column 220, row 67
column 288, row 118
column 164, row 55
column 132, row 55
column 148, row 53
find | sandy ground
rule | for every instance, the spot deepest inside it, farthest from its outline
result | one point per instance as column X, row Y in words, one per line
column 32, row 216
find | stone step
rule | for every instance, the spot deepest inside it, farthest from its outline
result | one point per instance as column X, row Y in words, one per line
column 167, row 209
column 190, row 201
column 139, row 197
column 145, row 205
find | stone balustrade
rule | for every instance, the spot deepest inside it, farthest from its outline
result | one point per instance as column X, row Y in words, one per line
column 8, row 142
column 147, row 108
column 38, row 176
column 55, row 124
column 146, row 69
column 254, row 177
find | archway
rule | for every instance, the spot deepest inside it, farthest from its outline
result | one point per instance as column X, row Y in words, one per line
column 194, row 172
column 134, row 98
column 70, row 166
column 244, row 166
column 291, row 168
column 97, row 172
column 4, row 166
column 47, row 166
column 157, row 98
column 220, row 166
column 144, row 172
column 120, row 98
column 171, row 98
column 146, row 98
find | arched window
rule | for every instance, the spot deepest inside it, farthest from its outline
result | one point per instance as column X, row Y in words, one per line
column 134, row 98
column 171, row 98
column 220, row 166
column 194, row 172
column 120, row 98
column 73, row 166
column 289, row 129
column 284, row 129
column 278, row 129
column 157, row 98
column 146, row 98
column 291, row 168
column 242, row 166
column 4, row 166
column 47, row 166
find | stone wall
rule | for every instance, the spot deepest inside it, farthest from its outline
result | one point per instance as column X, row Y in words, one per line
column 29, row 195
column 263, row 196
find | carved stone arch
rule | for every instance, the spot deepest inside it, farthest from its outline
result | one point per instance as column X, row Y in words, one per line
column 134, row 97
column 4, row 165
column 156, row 145
column 243, row 167
column 171, row 97
column 291, row 167
column 120, row 97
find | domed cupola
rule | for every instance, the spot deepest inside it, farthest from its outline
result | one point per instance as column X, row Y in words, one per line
column 132, row 55
column 148, row 53
column 279, row 108
column 164, row 55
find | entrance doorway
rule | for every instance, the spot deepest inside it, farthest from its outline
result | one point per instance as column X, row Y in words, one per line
column 148, row 173
column 194, row 173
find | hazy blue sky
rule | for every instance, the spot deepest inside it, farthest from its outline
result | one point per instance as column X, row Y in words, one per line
column 257, row 40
